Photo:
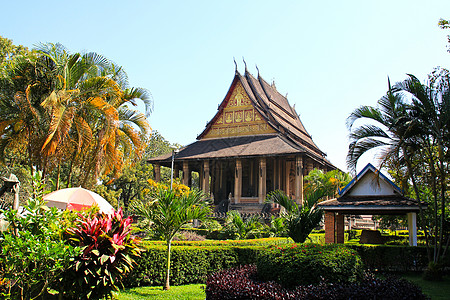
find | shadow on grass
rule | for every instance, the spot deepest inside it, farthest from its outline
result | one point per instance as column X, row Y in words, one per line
column 190, row 291
column 437, row 290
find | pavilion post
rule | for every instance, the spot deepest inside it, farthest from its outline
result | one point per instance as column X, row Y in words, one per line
column 412, row 228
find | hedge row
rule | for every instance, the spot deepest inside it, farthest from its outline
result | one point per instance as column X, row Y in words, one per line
column 309, row 264
column 193, row 261
column 390, row 258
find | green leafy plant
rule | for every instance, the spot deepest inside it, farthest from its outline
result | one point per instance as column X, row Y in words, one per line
column 32, row 255
column 299, row 220
column 108, row 253
column 238, row 228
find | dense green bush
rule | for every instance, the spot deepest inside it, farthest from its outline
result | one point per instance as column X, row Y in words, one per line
column 192, row 261
column 32, row 255
column 309, row 264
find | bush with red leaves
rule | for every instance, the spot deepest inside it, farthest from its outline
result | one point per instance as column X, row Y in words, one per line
column 241, row 283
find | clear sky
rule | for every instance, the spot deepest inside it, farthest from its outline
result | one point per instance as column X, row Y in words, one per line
column 328, row 56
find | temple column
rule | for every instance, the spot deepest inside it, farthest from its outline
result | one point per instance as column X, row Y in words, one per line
column 205, row 177
column 186, row 173
column 262, row 180
column 217, row 179
column 157, row 172
column 287, row 174
column 299, row 179
column 238, row 181
column 412, row 228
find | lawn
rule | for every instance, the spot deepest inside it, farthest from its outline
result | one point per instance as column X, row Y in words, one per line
column 434, row 289
column 183, row 292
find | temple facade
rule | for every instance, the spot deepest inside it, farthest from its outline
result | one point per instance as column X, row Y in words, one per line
column 253, row 145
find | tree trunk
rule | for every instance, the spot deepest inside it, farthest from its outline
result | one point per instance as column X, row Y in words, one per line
column 167, row 284
column 58, row 175
column 416, row 191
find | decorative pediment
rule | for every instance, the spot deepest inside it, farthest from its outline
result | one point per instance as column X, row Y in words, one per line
column 238, row 117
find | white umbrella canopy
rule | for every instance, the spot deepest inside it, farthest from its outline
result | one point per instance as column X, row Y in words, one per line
column 77, row 199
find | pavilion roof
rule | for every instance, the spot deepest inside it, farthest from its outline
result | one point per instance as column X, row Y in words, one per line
column 371, row 192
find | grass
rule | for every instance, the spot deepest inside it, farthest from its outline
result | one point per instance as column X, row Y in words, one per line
column 183, row 292
column 437, row 290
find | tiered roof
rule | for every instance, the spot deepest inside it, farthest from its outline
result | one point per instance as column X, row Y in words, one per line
column 253, row 119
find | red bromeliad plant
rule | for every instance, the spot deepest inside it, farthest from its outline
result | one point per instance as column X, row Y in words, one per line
column 108, row 253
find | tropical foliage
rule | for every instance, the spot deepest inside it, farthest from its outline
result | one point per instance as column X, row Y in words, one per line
column 299, row 220
column 69, row 114
column 237, row 227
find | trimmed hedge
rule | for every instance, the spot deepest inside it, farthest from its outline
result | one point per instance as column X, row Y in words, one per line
column 241, row 283
column 309, row 264
column 192, row 261
column 390, row 258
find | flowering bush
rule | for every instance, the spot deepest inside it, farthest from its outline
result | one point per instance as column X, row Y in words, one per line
column 108, row 253
column 178, row 188
column 296, row 264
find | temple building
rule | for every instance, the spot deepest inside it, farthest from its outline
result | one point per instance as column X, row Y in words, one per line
column 255, row 144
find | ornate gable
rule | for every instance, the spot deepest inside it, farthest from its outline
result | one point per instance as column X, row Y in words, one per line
column 238, row 117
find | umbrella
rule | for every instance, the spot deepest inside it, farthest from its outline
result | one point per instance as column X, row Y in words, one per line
column 77, row 199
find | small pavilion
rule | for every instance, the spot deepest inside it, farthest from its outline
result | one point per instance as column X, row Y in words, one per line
column 254, row 144
column 369, row 193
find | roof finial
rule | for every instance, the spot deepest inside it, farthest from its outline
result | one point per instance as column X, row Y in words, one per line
column 245, row 64
column 235, row 65
column 257, row 69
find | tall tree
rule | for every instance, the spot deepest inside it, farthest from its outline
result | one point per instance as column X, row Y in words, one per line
column 412, row 127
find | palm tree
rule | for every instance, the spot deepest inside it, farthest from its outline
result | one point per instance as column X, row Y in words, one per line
column 384, row 130
column 167, row 213
column 431, row 109
column 21, row 115
column 91, row 123
column 300, row 221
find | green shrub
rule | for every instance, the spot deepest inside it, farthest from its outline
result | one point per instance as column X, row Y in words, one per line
column 309, row 264
column 32, row 254
column 393, row 258
column 192, row 261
